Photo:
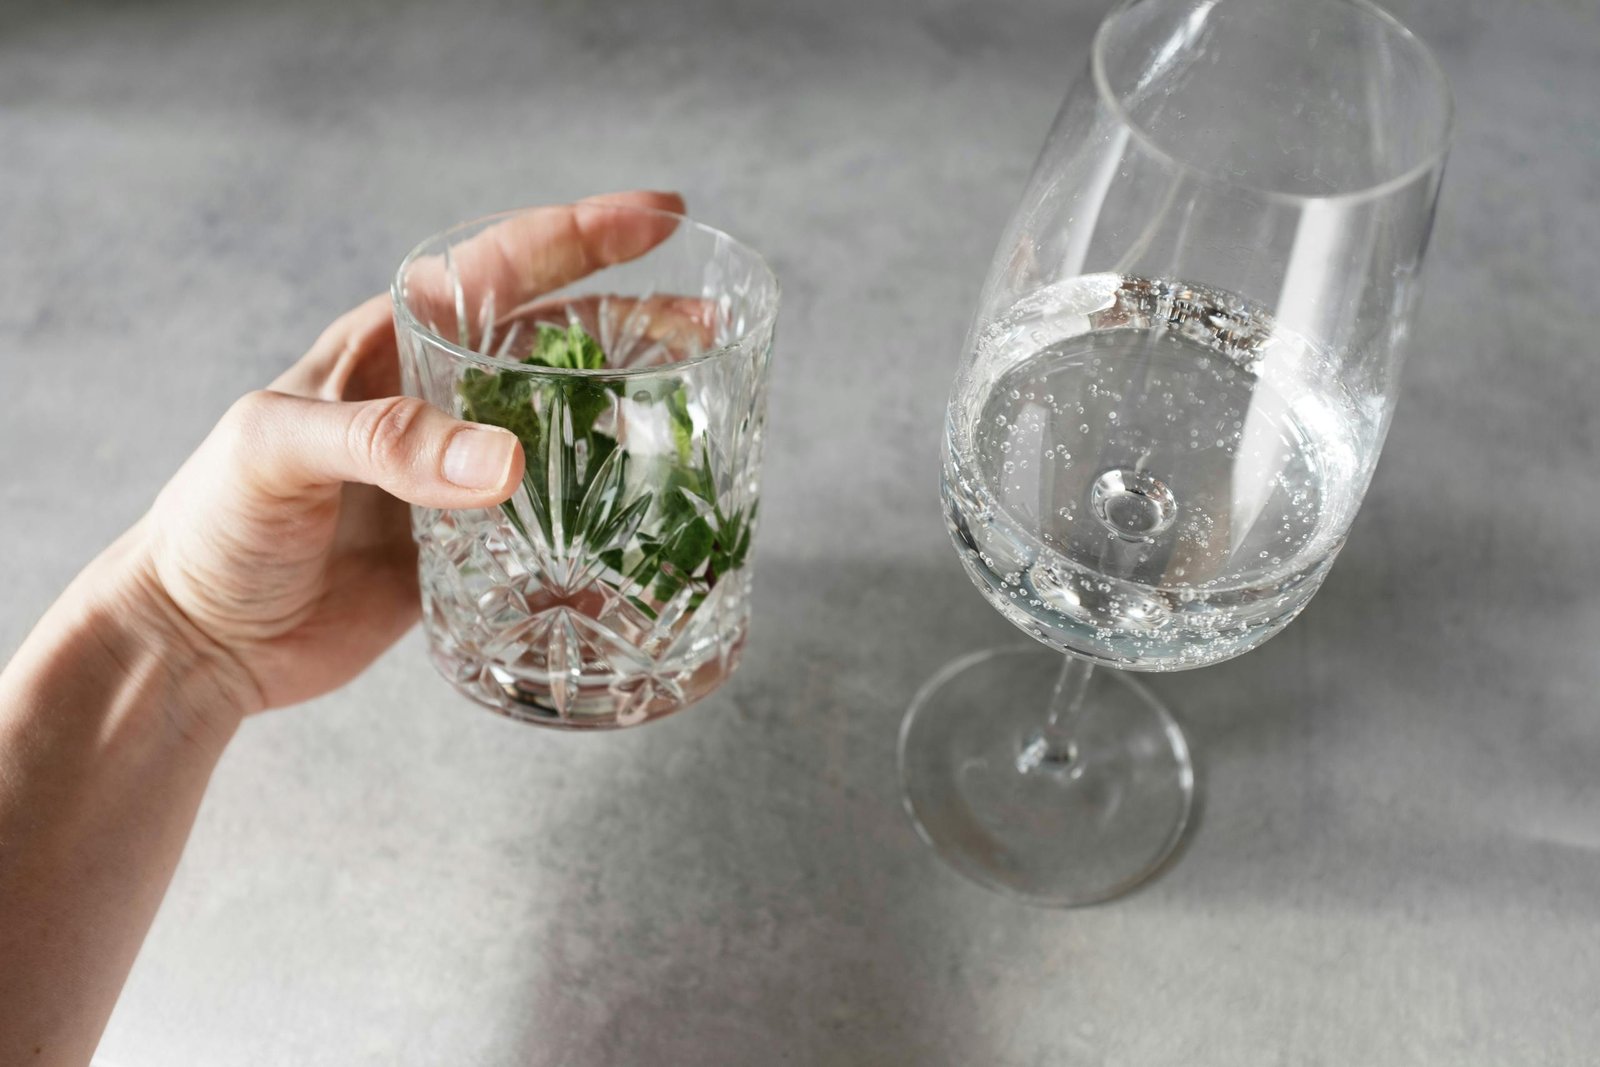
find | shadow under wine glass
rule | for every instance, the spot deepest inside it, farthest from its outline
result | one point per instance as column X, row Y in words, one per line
column 1176, row 387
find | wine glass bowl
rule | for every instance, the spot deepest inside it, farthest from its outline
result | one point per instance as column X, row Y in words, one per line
column 1161, row 482
column 1175, row 389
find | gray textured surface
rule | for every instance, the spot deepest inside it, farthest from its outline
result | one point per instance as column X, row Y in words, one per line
column 1400, row 852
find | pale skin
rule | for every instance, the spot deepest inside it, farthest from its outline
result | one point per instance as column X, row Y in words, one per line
column 275, row 566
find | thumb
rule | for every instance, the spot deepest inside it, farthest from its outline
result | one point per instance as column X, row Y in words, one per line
column 290, row 444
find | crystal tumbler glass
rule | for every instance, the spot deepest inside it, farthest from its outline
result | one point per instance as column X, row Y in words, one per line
column 614, row 586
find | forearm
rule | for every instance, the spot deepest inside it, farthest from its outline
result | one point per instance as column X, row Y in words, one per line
column 112, row 717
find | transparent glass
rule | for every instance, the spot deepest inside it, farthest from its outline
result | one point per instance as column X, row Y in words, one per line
column 1177, row 382
column 614, row 587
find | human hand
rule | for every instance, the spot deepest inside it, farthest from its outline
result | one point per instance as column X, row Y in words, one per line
column 283, row 545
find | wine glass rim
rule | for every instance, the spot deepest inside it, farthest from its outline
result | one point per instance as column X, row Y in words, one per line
column 1429, row 162
column 440, row 241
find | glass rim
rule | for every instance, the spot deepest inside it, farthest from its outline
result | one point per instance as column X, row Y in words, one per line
column 1430, row 161
column 406, row 318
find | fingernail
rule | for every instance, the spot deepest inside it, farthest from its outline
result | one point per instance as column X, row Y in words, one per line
column 479, row 457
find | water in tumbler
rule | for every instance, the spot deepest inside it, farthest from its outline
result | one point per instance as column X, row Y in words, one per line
column 1149, row 473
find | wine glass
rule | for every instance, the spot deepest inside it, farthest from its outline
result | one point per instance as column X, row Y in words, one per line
column 1180, row 373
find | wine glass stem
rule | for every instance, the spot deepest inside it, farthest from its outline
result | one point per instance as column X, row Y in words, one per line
column 1052, row 746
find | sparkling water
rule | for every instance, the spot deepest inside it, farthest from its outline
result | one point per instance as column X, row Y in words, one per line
column 1149, row 473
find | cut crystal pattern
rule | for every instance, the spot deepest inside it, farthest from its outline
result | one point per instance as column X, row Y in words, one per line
column 613, row 587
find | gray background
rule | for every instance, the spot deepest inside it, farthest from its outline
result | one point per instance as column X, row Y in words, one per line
column 1399, row 859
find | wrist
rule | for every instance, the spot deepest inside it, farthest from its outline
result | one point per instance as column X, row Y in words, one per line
column 122, row 608
column 113, row 715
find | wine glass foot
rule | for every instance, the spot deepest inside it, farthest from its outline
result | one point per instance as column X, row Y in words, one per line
column 1049, row 827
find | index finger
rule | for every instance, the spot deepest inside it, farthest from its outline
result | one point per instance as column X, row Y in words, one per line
column 516, row 260
column 456, row 292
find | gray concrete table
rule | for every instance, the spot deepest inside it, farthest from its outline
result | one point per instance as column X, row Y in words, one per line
column 1399, row 860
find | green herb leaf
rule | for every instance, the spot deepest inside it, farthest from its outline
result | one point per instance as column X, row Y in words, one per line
column 682, row 422
column 504, row 400
column 568, row 349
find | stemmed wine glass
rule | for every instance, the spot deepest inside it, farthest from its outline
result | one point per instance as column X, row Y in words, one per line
column 1181, row 371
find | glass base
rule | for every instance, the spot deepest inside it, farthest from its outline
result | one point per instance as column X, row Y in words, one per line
column 1054, row 832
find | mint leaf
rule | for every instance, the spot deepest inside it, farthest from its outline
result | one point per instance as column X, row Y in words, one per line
column 683, row 555
column 568, row 349
column 587, row 401
column 682, row 422
column 504, row 400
